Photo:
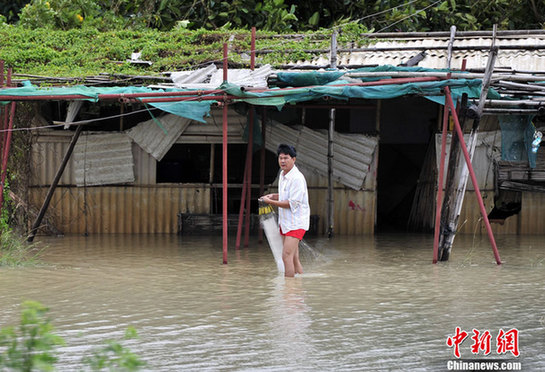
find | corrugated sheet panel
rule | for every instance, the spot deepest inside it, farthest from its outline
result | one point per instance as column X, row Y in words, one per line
column 212, row 130
column 487, row 150
column 210, row 77
column 102, row 159
column 145, row 166
column 530, row 220
column 122, row 209
column 353, row 213
column 352, row 157
column 156, row 140
column 46, row 156
column 475, row 54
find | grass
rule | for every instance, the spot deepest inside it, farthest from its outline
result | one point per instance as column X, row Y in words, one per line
column 16, row 251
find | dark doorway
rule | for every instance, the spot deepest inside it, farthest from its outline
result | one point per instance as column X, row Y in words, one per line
column 406, row 127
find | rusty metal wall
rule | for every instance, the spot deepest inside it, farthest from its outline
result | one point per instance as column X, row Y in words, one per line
column 122, row 209
column 530, row 220
column 46, row 155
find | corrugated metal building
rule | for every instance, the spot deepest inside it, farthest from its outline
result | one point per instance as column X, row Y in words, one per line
column 139, row 180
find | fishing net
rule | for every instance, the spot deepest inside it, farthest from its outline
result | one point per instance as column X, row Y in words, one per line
column 269, row 223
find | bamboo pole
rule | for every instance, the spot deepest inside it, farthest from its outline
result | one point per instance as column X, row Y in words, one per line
column 449, row 217
column 452, row 224
column 439, row 200
column 473, row 177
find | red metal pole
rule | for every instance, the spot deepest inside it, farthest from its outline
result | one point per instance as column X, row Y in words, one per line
column 473, row 177
column 5, row 154
column 3, row 110
column 250, row 152
column 224, row 181
column 6, row 143
column 172, row 96
column 249, row 177
column 252, row 50
column 262, row 167
column 439, row 204
column 241, row 208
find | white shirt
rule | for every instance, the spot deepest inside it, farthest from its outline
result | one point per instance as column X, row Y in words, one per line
column 293, row 188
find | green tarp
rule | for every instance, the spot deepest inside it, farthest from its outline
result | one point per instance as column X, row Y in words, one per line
column 307, row 87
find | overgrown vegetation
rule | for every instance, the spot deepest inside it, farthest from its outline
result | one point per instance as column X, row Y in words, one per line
column 276, row 15
column 15, row 251
column 86, row 52
column 31, row 346
column 73, row 38
column 15, row 212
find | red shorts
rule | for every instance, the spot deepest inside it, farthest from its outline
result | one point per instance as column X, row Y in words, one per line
column 299, row 233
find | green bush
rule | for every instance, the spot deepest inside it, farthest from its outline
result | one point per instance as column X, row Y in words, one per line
column 31, row 346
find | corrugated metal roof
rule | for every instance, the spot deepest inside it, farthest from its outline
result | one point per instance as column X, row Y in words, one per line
column 352, row 157
column 102, row 159
column 518, row 52
column 211, row 77
column 153, row 139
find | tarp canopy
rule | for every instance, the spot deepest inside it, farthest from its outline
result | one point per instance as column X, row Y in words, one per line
column 307, row 86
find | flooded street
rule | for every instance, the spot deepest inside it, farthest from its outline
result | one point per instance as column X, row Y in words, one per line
column 372, row 303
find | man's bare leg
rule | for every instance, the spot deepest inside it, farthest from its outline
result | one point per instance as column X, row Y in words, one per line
column 288, row 255
column 296, row 263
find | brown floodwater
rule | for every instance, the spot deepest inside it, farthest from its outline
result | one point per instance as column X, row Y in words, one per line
column 375, row 303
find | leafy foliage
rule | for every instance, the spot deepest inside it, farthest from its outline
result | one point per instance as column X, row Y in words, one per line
column 84, row 52
column 115, row 357
column 279, row 15
column 30, row 347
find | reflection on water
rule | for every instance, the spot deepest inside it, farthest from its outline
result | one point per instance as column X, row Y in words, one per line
column 368, row 303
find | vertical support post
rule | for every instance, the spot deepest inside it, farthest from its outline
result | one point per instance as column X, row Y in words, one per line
column 3, row 109
column 246, row 195
column 450, row 44
column 473, row 177
column 224, row 173
column 211, row 176
column 6, row 152
column 249, row 177
column 54, row 184
column 6, row 142
column 330, row 201
column 453, row 190
column 439, row 201
column 447, row 238
column 242, row 204
column 331, row 131
column 250, row 150
column 121, row 111
column 262, row 164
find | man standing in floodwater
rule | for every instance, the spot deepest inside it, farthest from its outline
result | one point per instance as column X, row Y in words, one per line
column 293, row 208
